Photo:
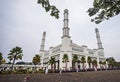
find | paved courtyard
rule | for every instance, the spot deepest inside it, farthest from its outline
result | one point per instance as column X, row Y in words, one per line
column 93, row 76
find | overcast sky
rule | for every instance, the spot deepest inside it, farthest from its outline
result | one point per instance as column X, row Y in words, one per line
column 22, row 23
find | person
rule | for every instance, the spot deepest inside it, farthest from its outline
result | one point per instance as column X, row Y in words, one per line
column 60, row 70
column 46, row 70
column 26, row 78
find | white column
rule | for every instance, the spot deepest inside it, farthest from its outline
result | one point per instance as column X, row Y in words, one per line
column 86, row 64
column 70, row 60
column 98, row 65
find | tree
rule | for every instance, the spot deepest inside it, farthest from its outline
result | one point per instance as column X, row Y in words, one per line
column 83, row 61
column 104, row 9
column 10, row 58
column 48, row 7
column 100, row 62
column 89, row 60
column 65, row 60
column 75, row 60
column 95, row 64
column 1, row 58
column 52, row 62
column 15, row 54
column 111, row 61
column 36, row 60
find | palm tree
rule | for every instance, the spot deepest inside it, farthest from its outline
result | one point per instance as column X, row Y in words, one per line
column 10, row 58
column 52, row 62
column 95, row 64
column 111, row 61
column 89, row 60
column 83, row 61
column 65, row 60
column 36, row 60
column 1, row 58
column 75, row 60
column 15, row 54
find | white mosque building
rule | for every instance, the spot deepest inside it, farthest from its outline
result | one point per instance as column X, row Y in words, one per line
column 71, row 49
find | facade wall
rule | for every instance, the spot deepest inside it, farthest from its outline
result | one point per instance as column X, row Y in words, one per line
column 80, row 52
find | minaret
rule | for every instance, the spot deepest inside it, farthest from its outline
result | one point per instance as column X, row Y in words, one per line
column 99, row 43
column 65, row 37
column 65, row 28
column 66, row 42
column 42, row 46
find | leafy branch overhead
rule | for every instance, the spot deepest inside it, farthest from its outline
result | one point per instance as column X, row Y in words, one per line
column 48, row 7
column 104, row 9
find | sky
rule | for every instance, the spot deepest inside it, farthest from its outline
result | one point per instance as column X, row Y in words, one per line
column 22, row 23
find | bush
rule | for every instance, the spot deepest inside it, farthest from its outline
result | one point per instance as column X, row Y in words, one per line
column 49, row 71
column 21, row 71
column 4, row 72
column 41, row 71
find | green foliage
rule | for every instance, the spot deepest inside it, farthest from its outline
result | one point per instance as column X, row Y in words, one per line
column 111, row 61
column 104, row 62
column 104, row 9
column 4, row 72
column 95, row 62
column 52, row 61
column 83, row 60
column 48, row 7
column 21, row 71
column 49, row 71
column 15, row 54
column 36, row 60
column 75, row 58
column 41, row 71
column 65, row 58
column 100, row 62
column 89, row 60
column 1, row 58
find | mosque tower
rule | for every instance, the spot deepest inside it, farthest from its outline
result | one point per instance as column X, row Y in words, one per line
column 42, row 46
column 99, row 43
column 66, row 38
column 66, row 41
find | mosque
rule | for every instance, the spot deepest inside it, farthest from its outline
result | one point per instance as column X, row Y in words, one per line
column 70, row 49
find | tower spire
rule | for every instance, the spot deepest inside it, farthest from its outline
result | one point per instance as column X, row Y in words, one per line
column 99, row 43
column 43, row 41
column 65, row 28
